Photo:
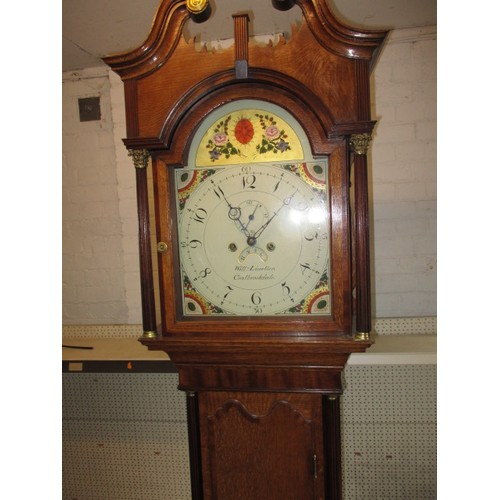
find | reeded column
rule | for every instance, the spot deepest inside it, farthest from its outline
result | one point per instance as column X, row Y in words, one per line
column 140, row 157
column 361, row 235
column 241, row 45
column 333, row 449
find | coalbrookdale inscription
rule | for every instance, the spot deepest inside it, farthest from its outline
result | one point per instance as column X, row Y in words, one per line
column 258, row 273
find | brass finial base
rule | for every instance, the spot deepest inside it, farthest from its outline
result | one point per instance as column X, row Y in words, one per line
column 200, row 10
column 149, row 335
column 362, row 336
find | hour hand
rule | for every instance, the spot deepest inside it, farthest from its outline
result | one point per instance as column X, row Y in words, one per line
column 234, row 213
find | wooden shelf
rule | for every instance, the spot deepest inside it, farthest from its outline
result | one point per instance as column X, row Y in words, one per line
column 129, row 355
column 398, row 350
column 112, row 355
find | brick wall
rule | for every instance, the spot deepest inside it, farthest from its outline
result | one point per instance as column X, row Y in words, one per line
column 403, row 162
column 100, row 252
column 92, row 237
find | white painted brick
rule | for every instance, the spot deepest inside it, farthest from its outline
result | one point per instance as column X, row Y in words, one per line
column 393, row 94
column 92, row 245
column 83, row 142
column 425, row 170
column 425, row 283
column 426, row 130
column 92, row 211
column 385, row 266
column 418, row 264
column 97, row 175
column 412, row 191
column 383, row 112
column 417, row 303
column 97, row 277
column 384, row 192
column 411, row 151
column 89, row 194
column 405, row 72
column 388, row 283
column 392, row 171
column 388, row 305
column 76, row 313
column 394, row 247
column 403, row 132
column 426, row 208
column 412, row 227
column 395, row 210
column 408, row 112
column 382, row 153
column 89, row 182
column 425, row 246
column 391, row 54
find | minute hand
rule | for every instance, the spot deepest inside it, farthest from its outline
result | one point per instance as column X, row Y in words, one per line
column 286, row 201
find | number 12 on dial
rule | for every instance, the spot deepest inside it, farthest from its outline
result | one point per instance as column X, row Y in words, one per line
column 254, row 239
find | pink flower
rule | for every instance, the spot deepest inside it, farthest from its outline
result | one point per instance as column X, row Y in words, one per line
column 220, row 139
column 272, row 132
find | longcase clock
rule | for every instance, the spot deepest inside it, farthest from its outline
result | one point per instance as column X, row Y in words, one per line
column 258, row 159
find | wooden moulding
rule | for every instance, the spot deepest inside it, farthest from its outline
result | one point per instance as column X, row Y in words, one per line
column 331, row 61
column 269, row 364
column 171, row 16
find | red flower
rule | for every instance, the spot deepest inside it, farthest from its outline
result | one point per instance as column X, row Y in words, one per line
column 244, row 131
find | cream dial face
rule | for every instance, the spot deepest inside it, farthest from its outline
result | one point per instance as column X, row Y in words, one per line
column 254, row 239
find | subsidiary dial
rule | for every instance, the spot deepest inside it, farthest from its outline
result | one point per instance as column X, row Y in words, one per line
column 253, row 215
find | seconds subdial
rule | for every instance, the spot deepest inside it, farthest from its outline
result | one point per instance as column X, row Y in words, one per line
column 252, row 215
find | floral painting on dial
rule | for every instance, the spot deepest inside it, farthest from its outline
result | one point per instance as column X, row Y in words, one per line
column 249, row 135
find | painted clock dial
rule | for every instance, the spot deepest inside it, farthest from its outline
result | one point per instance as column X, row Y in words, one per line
column 254, row 239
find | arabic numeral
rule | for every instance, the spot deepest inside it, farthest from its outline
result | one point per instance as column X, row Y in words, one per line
column 307, row 267
column 249, row 181
column 315, row 235
column 199, row 215
column 191, row 244
column 278, row 183
column 256, row 298
column 205, row 272
column 229, row 290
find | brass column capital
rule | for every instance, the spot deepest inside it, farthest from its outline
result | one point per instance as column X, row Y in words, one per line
column 359, row 143
column 140, row 157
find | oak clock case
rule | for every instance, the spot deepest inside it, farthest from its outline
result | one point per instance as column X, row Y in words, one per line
column 259, row 164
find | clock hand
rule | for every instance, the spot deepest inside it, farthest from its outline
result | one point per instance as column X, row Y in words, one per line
column 253, row 239
column 252, row 215
column 234, row 212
